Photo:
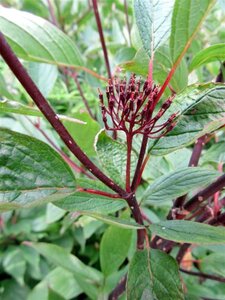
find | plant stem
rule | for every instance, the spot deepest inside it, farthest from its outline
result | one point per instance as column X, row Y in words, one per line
column 52, row 14
column 129, row 148
column 197, row 150
column 74, row 76
column 182, row 252
column 204, row 275
column 119, row 289
column 98, row 192
column 205, row 194
column 100, row 31
column 140, row 161
column 193, row 162
column 28, row 84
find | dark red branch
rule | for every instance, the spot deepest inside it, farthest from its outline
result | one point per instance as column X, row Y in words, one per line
column 204, row 275
column 74, row 76
column 100, row 31
column 140, row 161
column 119, row 289
column 52, row 13
column 205, row 194
column 98, row 192
column 197, row 150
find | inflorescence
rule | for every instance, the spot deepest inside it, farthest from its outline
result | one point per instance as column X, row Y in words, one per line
column 130, row 106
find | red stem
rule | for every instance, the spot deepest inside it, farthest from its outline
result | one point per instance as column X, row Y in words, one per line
column 140, row 161
column 74, row 76
column 204, row 275
column 100, row 31
column 98, row 192
column 129, row 148
column 205, row 194
column 52, row 14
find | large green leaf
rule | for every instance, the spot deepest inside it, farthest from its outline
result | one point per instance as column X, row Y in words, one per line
column 178, row 183
column 33, row 38
column 187, row 18
column 210, row 54
column 114, row 248
column 200, row 109
column 31, row 172
column 113, row 157
column 153, row 18
column 189, row 232
column 153, row 276
column 90, row 203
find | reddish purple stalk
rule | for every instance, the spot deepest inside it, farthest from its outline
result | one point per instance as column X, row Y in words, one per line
column 101, row 34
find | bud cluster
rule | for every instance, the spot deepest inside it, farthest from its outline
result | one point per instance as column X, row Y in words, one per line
column 130, row 106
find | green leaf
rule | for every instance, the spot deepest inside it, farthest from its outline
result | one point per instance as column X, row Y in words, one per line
column 189, row 232
column 44, row 75
column 186, row 21
column 60, row 281
column 178, row 183
column 113, row 220
column 8, row 106
column 153, row 20
column 84, row 135
column 210, row 54
column 139, row 281
column 10, row 290
column 15, row 265
column 31, row 172
column 61, row 258
column 153, row 276
column 35, row 39
column 215, row 153
column 53, row 213
column 85, row 202
column 113, row 157
column 3, row 88
column 166, row 279
column 212, row 263
column 200, row 109
column 114, row 248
